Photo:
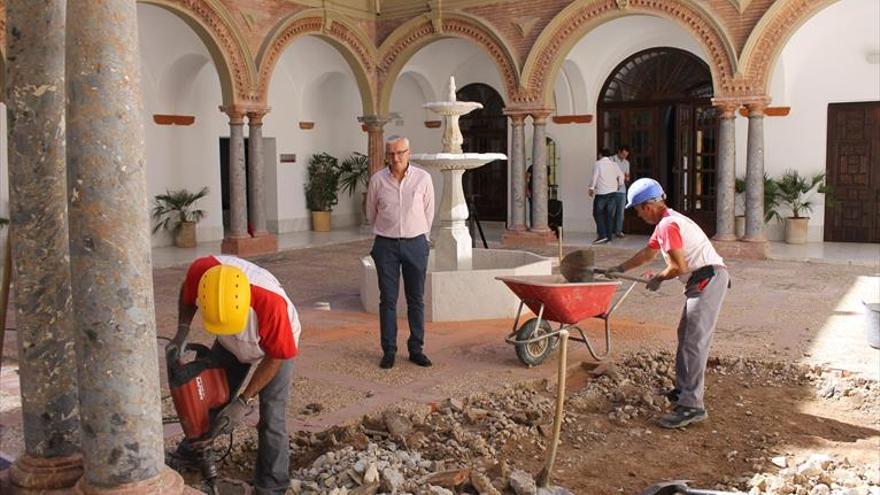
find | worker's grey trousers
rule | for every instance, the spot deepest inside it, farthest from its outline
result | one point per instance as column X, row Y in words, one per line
column 695, row 330
column 272, row 476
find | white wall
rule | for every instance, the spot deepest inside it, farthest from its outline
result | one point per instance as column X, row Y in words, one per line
column 179, row 77
column 585, row 70
column 825, row 61
column 312, row 83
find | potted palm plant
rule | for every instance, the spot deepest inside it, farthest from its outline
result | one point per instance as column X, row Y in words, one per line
column 354, row 172
column 175, row 211
column 795, row 192
column 321, row 189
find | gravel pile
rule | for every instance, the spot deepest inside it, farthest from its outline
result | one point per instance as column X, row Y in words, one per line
column 459, row 445
column 818, row 474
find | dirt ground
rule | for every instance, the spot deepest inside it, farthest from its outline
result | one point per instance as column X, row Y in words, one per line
column 776, row 312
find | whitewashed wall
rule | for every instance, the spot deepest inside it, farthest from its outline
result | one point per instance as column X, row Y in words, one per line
column 311, row 83
column 825, row 61
column 179, row 77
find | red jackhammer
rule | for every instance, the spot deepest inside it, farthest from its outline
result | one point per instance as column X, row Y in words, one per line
column 199, row 391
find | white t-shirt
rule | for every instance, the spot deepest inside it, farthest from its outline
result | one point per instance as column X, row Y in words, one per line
column 607, row 177
column 676, row 231
column 623, row 163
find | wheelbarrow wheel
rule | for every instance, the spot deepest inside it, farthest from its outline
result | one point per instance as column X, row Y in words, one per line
column 535, row 353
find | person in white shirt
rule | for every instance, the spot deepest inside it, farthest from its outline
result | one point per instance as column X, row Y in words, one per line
column 621, row 160
column 691, row 258
column 607, row 179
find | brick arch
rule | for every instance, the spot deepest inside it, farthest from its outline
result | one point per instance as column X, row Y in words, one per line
column 229, row 52
column 770, row 36
column 575, row 21
column 351, row 44
column 415, row 34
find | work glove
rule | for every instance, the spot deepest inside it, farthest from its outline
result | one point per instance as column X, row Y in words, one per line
column 231, row 416
column 654, row 284
column 615, row 269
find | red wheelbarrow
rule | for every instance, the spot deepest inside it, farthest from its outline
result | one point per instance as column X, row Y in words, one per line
column 556, row 301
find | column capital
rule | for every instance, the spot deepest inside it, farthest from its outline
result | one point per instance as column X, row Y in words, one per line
column 374, row 122
column 727, row 106
column 516, row 118
column 756, row 105
column 255, row 115
column 236, row 113
column 539, row 115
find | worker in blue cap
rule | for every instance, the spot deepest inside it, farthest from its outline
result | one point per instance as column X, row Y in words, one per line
column 691, row 258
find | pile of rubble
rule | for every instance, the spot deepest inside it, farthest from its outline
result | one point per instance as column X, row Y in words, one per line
column 460, row 445
column 819, row 474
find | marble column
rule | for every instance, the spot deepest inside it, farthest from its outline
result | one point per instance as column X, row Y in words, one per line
column 517, row 173
column 38, row 213
column 236, row 176
column 755, row 172
column 256, row 186
column 539, row 173
column 725, row 222
column 375, row 125
column 112, row 284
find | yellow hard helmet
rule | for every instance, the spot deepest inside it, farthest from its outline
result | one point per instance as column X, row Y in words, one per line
column 224, row 299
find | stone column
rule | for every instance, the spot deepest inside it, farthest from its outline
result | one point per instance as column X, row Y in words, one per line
column 237, row 181
column 112, row 284
column 539, row 173
column 375, row 140
column 38, row 212
column 517, row 173
column 256, row 188
column 725, row 223
column 755, row 172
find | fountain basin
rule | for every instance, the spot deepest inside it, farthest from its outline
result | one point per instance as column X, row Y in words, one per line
column 455, row 161
column 463, row 294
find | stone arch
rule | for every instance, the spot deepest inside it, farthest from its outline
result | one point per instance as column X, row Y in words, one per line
column 348, row 40
column 411, row 36
column 769, row 37
column 569, row 26
column 229, row 52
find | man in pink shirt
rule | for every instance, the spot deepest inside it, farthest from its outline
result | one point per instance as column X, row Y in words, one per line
column 400, row 207
column 691, row 258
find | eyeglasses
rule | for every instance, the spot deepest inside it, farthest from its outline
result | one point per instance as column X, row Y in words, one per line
column 396, row 153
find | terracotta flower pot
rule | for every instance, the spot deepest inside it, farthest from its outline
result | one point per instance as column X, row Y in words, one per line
column 321, row 221
column 186, row 235
column 796, row 230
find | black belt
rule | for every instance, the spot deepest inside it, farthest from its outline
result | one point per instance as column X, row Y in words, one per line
column 704, row 273
column 400, row 238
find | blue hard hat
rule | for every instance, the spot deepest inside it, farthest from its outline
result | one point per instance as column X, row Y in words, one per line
column 643, row 190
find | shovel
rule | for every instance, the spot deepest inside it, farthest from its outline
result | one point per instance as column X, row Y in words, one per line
column 579, row 266
column 679, row 487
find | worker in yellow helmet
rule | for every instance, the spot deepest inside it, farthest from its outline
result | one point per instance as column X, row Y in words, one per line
column 256, row 324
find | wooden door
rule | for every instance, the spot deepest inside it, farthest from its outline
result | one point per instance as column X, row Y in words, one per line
column 853, row 172
column 485, row 131
column 692, row 190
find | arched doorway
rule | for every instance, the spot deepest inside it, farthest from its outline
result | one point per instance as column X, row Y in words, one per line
column 658, row 101
column 485, row 131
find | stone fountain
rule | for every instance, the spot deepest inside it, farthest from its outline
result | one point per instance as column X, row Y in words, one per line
column 461, row 281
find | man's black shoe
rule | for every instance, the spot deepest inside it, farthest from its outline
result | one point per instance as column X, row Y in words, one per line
column 682, row 416
column 420, row 359
column 387, row 361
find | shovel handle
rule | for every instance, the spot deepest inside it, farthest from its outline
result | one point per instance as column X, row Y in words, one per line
column 621, row 275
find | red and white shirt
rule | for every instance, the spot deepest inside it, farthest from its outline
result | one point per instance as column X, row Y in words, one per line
column 676, row 231
column 273, row 326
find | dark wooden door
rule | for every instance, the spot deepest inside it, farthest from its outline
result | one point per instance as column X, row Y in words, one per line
column 853, row 172
column 692, row 190
column 485, row 131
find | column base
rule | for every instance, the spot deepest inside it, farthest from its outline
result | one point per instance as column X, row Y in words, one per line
column 747, row 250
column 167, row 482
column 724, row 237
column 250, row 246
column 32, row 475
column 528, row 238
